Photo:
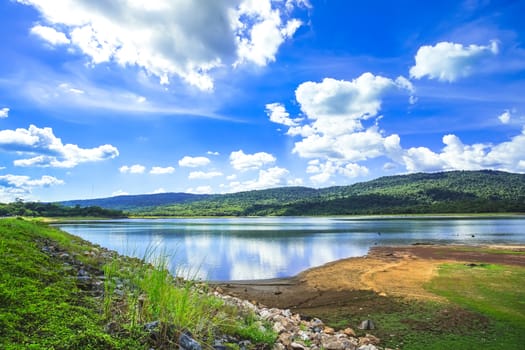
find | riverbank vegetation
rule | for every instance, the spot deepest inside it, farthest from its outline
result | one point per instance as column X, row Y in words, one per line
column 59, row 292
column 53, row 210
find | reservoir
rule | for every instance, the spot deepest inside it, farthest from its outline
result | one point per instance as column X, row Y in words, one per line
column 224, row 249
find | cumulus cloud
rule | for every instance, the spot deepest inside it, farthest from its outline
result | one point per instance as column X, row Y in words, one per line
column 504, row 117
column 243, row 162
column 201, row 175
column 272, row 177
column 51, row 35
column 213, row 153
column 157, row 170
column 334, row 131
column 448, row 61
column 4, row 113
column 278, row 114
column 507, row 156
column 187, row 39
column 193, row 162
column 323, row 171
column 19, row 186
column 47, row 150
column 133, row 169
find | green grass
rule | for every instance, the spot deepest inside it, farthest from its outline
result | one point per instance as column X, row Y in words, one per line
column 41, row 306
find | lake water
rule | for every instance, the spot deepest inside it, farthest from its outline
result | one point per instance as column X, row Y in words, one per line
column 255, row 248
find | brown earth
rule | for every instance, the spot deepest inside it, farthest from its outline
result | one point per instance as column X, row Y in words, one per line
column 384, row 280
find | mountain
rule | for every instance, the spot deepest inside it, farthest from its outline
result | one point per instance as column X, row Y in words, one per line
column 446, row 192
column 135, row 202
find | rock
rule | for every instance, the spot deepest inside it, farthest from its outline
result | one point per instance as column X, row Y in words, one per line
column 151, row 326
column 186, row 342
column 278, row 346
column 373, row 339
column 333, row 344
column 297, row 346
column 315, row 322
column 369, row 339
column 349, row 332
column 285, row 339
column 278, row 328
column 367, row 324
column 329, row 330
column 367, row 347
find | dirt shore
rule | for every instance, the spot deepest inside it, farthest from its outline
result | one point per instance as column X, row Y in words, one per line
column 383, row 279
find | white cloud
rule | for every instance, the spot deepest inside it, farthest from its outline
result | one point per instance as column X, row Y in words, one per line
column 504, row 117
column 507, row 156
column 20, row 186
column 212, row 153
column 324, row 171
column 272, row 177
column 134, row 169
column 193, row 162
column 334, row 129
column 4, row 113
column 51, row 35
column 448, row 61
column 119, row 193
column 242, row 162
column 159, row 190
column 157, row 170
column 199, row 190
column 278, row 114
column 201, row 175
column 187, row 39
column 46, row 150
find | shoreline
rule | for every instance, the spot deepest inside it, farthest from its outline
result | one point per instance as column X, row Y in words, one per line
column 394, row 271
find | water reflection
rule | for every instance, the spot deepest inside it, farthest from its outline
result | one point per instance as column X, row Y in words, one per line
column 254, row 248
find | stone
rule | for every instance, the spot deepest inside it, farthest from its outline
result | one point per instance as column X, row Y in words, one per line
column 373, row 339
column 329, row 330
column 333, row 344
column 278, row 328
column 186, row 342
column 367, row 324
column 278, row 346
column 349, row 332
column 285, row 339
column 297, row 346
column 367, row 347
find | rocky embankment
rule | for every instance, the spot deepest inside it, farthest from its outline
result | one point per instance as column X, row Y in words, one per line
column 297, row 333
column 294, row 332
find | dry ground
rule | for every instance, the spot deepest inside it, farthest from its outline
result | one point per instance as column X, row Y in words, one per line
column 355, row 284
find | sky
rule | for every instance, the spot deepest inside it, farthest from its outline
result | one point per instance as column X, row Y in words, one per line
column 103, row 98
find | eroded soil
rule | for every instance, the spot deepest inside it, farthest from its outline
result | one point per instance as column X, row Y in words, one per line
column 388, row 279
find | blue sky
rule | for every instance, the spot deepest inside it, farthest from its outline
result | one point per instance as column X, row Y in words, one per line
column 99, row 98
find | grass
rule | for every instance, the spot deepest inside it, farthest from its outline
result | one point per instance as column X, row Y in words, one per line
column 484, row 309
column 42, row 307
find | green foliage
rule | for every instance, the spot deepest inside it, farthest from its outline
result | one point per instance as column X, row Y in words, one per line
column 37, row 209
column 40, row 305
column 447, row 192
column 153, row 294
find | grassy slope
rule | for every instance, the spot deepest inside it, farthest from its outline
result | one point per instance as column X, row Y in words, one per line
column 41, row 306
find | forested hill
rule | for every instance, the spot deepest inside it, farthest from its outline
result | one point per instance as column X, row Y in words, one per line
column 446, row 192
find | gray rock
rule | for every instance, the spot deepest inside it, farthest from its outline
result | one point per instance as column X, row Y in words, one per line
column 367, row 347
column 186, row 342
column 367, row 324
